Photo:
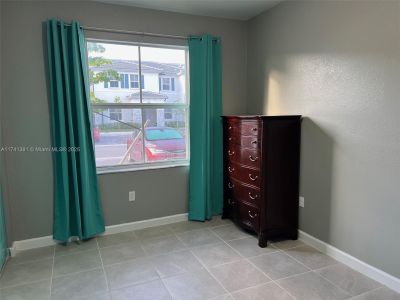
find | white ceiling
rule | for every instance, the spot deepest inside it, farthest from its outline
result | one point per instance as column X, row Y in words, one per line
column 231, row 9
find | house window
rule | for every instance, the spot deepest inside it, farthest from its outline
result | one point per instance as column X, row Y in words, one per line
column 115, row 114
column 124, row 81
column 114, row 83
column 167, row 84
column 134, row 127
column 134, row 81
column 168, row 114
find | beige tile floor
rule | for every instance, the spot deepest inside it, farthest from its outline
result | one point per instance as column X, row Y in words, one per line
column 187, row 260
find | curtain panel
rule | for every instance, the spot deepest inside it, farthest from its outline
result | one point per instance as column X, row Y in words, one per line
column 77, row 206
column 205, row 182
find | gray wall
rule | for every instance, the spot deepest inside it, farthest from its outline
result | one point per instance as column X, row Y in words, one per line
column 26, row 114
column 338, row 64
column 3, row 178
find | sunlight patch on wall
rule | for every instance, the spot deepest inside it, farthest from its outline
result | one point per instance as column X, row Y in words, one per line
column 273, row 92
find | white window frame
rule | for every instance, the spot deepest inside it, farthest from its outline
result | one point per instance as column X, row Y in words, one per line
column 113, row 87
column 115, row 111
column 133, row 81
column 142, row 106
column 168, row 112
column 169, row 83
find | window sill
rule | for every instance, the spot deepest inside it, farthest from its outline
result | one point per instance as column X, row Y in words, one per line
column 142, row 167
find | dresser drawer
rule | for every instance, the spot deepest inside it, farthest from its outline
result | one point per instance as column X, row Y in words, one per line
column 243, row 156
column 243, row 174
column 247, row 128
column 247, row 215
column 251, row 142
column 236, row 191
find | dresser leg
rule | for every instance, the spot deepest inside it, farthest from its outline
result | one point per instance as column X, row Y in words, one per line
column 262, row 240
column 294, row 235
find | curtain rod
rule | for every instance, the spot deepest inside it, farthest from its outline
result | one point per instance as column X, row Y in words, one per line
column 181, row 37
column 171, row 36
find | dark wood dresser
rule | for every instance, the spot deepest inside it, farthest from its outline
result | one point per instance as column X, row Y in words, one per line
column 261, row 174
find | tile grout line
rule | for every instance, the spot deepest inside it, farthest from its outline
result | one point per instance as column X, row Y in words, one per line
column 296, row 260
column 21, row 284
column 165, row 286
column 52, row 272
column 337, row 263
column 205, row 267
column 212, row 275
column 28, row 261
column 366, row 292
column 257, row 268
column 77, row 252
column 275, row 281
column 334, row 284
column 148, row 256
column 102, row 266
column 226, row 243
column 313, row 271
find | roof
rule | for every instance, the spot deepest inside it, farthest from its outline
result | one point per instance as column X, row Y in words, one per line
column 147, row 95
column 132, row 66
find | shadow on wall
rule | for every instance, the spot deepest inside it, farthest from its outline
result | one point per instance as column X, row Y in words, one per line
column 316, row 165
column 316, row 162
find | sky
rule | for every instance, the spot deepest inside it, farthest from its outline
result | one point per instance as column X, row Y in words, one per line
column 130, row 52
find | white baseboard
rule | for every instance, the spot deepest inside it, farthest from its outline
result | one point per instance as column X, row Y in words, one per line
column 354, row 263
column 48, row 240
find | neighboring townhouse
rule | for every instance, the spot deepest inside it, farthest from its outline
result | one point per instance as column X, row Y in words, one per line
column 160, row 83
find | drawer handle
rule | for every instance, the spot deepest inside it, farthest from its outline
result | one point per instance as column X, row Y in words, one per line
column 252, row 216
column 230, row 138
column 230, row 127
column 253, row 158
column 252, row 197
column 230, row 201
column 231, row 169
column 254, row 129
column 254, row 142
column 231, row 185
column 230, row 153
column 253, row 177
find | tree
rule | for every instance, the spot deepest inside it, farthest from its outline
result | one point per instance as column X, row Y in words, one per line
column 102, row 76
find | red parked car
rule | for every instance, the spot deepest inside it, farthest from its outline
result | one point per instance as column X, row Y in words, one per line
column 96, row 134
column 161, row 143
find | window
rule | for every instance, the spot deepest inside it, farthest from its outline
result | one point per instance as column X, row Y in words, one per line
column 167, row 84
column 114, row 83
column 135, row 124
column 124, row 81
column 115, row 114
column 135, row 81
column 168, row 114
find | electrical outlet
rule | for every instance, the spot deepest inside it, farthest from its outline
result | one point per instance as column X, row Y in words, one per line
column 301, row 201
column 132, row 196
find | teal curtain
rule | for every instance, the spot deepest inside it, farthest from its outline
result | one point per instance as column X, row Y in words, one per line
column 205, row 180
column 3, row 237
column 77, row 207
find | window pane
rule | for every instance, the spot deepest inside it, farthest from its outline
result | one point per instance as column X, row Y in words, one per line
column 136, row 134
column 165, row 139
column 110, row 69
column 113, row 83
column 164, row 73
column 118, row 136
